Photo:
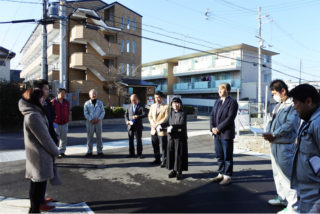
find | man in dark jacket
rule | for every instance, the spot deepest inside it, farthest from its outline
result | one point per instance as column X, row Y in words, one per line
column 222, row 127
column 49, row 110
column 133, row 117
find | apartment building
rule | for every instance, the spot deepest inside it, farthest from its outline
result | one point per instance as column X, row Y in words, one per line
column 198, row 75
column 5, row 58
column 103, row 52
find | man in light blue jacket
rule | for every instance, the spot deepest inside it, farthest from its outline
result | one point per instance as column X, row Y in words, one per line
column 94, row 113
column 306, row 163
column 282, row 131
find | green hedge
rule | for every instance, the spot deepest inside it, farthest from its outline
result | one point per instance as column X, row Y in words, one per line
column 117, row 112
column 11, row 118
column 188, row 109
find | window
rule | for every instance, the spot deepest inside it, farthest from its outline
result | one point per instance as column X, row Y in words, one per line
column 134, row 24
column 267, row 77
column 128, row 69
column 111, row 16
column 122, row 45
column 133, row 73
column 122, row 68
column 133, row 47
column 128, row 23
column 128, row 46
column 266, row 58
column 122, row 22
column 2, row 63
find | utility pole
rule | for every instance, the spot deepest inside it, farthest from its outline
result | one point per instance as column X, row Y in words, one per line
column 259, row 67
column 44, row 41
column 300, row 72
column 63, row 49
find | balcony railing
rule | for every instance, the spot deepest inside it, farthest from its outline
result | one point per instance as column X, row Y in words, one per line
column 205, row 85
column 163, row 88
column 154, row 74
column 218, row 66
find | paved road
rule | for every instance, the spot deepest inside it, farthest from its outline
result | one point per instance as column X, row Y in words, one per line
column 115, row 183
column 77, row 134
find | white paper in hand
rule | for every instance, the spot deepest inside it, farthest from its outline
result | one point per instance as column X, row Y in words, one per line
column 257, row 130
column 315, row 164
column 159, row 127
column 169, row 129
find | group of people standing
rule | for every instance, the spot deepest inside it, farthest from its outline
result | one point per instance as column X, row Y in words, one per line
column 293, row 131
column 168, row 129
column 294, row 135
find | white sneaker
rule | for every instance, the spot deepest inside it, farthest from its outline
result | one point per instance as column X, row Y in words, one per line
column 226, row 180
column 218, row 178
column 278, row 202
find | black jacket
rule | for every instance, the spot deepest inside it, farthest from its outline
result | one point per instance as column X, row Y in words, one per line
column 51, row 115
column 140, row 112
column 223, row 118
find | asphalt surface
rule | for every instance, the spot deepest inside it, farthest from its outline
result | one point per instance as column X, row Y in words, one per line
column 114, row 183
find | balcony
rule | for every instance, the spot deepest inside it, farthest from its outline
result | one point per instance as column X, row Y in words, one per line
column 204, row 86
column 82, row 35
column 163, row 88
column 192, row 67
column 35, row 66
column 150, row 74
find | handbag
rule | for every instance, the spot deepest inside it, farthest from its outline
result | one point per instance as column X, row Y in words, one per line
column 56, row 180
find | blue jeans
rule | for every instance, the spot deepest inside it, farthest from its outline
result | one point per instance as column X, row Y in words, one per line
column 224, row 155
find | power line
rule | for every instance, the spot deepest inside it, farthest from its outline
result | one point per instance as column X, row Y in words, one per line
column 23, row 2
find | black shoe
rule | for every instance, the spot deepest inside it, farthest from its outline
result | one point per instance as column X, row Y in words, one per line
column 89, row 154
column 156, row 162
column 179, row 176
column 163, row 165
column 140, row 156
column 131, row 156
column 172, row 174
column 100, row 154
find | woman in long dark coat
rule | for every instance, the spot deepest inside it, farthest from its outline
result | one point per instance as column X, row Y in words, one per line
column 177, row 153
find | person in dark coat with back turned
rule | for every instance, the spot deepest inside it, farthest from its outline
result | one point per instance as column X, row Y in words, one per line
column 177, row 154
column 223, row 129
column 133, row 117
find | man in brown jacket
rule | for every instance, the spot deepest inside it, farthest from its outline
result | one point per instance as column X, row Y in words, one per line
column 158, row 115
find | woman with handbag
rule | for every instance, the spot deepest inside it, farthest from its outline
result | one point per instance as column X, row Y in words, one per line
column 41, row 150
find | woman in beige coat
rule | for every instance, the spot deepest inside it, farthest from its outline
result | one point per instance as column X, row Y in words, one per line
column 40, row 148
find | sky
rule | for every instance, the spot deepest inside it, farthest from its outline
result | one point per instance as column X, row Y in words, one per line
column 289, row 27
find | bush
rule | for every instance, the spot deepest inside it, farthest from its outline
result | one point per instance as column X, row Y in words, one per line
column 77, row 113
column 11, row 118
column 188, row 109
column 108, row 113
column 118, row 112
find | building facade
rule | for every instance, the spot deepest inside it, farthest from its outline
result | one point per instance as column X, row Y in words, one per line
column 198, row 75
column 5, row 57
column 103, row 45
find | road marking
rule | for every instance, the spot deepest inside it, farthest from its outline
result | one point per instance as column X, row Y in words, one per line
column 16, row 155
column 15, row 205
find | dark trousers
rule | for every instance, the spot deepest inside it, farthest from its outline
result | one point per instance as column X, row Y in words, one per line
column 138, row 133
column 36, row 195
column 156, row 141
column 224, row 153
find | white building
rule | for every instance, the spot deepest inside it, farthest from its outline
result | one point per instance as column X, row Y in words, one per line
column 5, row 57
column 198, row 75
